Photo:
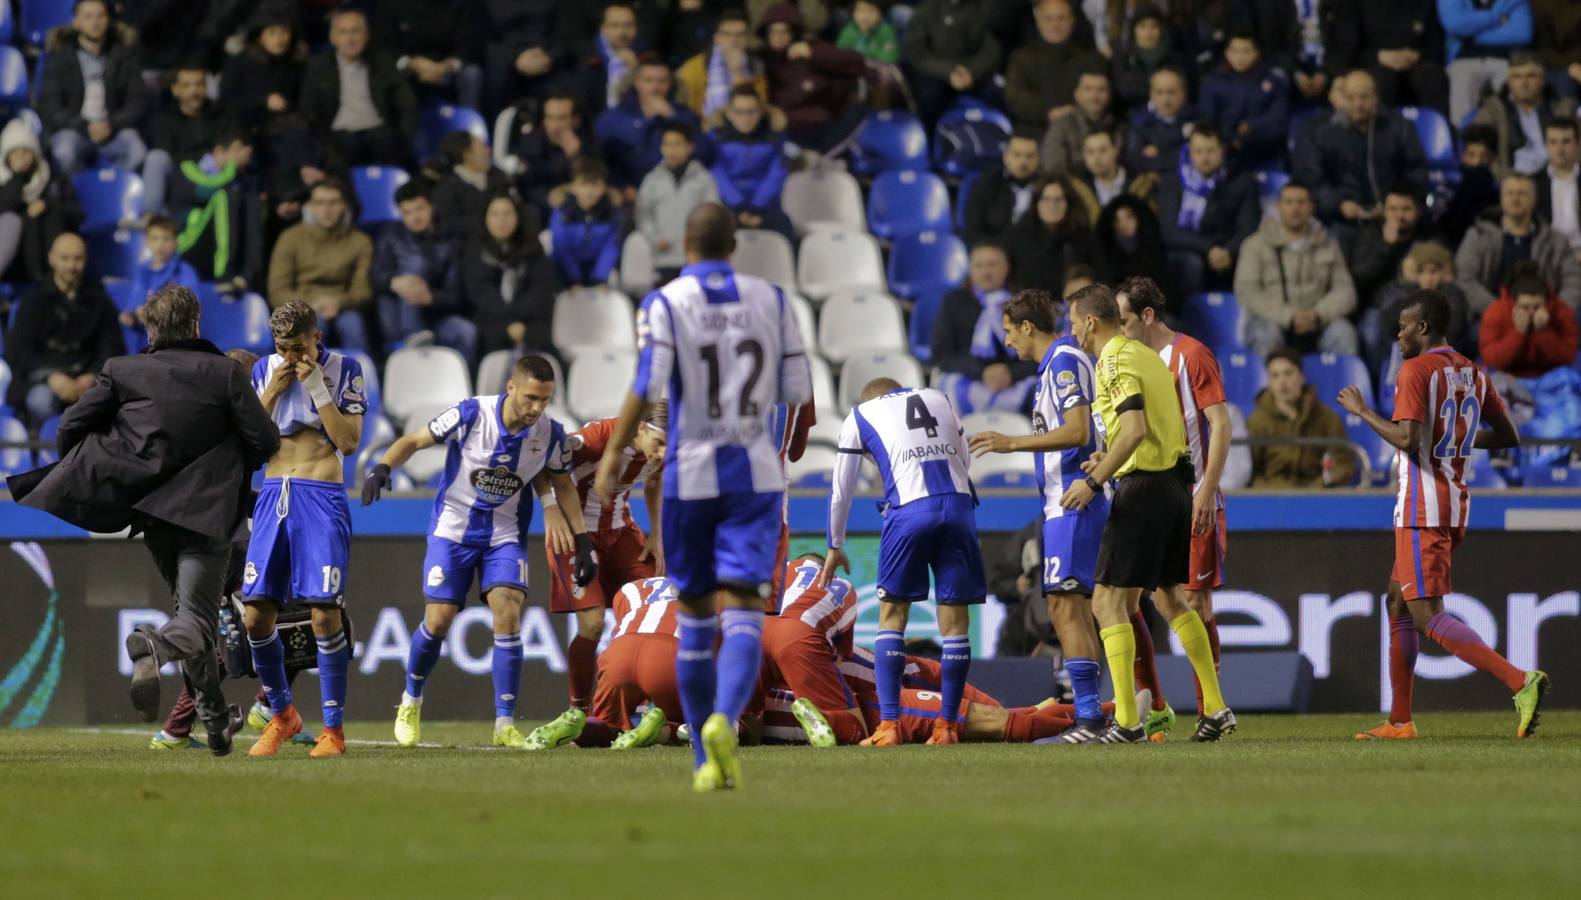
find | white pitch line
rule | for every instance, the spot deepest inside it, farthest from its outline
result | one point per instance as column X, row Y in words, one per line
column 357, row 741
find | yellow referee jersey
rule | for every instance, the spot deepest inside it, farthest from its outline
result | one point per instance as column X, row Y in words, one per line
column 1127, row 369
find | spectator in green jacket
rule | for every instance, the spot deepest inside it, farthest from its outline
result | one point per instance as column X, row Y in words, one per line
column 869, row 34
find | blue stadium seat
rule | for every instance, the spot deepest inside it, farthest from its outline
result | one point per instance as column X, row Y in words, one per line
column 814, row 480
column 120, row 291
column 1481, row 473
column 1552, row 477
column 1215, row 319
column 109, row 197
column 907, row 201
column 440, row 120
column 962, row 192
column 13, row 77
column 1269, row 183
column 114, row 253
column 1379, row 453
column 46, row 435
column 13, row 459
column 375, row 187
column 7, row 24
column 243, row 322
column 1329, row 373
column 1244, row 376
column 924, row 310
column 1438, row 142
column 970, row 137
column 928, row 262
column 1007, row 480
column 889, row 140
column 39, row 16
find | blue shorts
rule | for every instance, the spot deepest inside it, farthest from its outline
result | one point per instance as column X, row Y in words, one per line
column 1070, row 548
column 301, row 543
column 448, row 568
column 938, row 533
column 729, row 540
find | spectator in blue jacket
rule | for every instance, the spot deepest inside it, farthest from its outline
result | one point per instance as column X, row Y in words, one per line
column 1159, row 131
column 416, row 277
column 163, row 266
column 1481, row 34
column 585, row 229
column 1249, row 100
column 628, row 134
column 749, row 167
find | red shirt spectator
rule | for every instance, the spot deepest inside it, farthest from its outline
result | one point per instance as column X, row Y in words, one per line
column 1528, row 331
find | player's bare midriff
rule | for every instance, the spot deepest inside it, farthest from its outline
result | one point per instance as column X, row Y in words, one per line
column 307, row 454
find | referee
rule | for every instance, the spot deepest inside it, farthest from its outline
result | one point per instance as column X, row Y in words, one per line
column 1147, row 539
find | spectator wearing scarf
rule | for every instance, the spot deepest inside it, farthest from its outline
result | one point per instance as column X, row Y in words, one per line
column 980, row 372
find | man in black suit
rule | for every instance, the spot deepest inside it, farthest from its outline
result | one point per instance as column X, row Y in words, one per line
column 357, row 99
column 164, row 443
column 1558, row 200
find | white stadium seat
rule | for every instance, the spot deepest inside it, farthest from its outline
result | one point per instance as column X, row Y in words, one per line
column 637, row 273
column 851, row 322
column 823, row 392
column 766, row 254
column 826, row 430
column 862, row 367
column 823, row 197
column 839, row 260
column 1002, row 463
column 423, row 377
column 589, row 318
column 425, row 464
column 994, row 420
column 494, row 371
column 818, row 460
column 806, row 323
column 1238, row 467
column 599, row 380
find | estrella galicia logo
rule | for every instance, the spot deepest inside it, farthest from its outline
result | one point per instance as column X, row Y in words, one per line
column 28, row 682
column 496, row 485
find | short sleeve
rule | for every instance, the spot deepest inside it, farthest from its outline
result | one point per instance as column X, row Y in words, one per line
column 558, row 459
column 588, row 444
column 1121, row 382
column 454, row 422
column 655, row 348
column 1207, row 382
column 260, row 375
column 1410, row 394
column 1069, row 389
column 1491, row 400
column 351, row 396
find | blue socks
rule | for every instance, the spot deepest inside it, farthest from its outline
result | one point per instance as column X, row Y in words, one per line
column 1084, row 674
column 954, row 663
column 889, row 661
column 269, row 661
column 740, row 655
column 420, row 660
column 695, row 675
column 507, row 665
column 334, row 657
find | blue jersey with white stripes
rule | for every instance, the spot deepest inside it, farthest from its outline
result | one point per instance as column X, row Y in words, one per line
column 480, row 500
column 294, row 411
column 1065, row 382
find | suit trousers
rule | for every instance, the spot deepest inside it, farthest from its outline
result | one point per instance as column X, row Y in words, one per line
column 194, row 567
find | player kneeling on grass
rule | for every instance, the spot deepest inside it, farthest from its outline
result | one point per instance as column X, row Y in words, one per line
column 497, row 444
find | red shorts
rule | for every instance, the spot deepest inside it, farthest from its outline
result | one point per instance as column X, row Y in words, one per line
column 920, row 709
column 1421, row 560
column 618, row 566
column 633, row 669
column 1207, row 558
column 799, row 658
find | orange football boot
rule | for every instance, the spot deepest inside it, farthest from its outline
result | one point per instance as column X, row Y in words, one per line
column 887, row 735
column 1389, row 731
column 280, row 729
column 944, row 734
column 331, row 742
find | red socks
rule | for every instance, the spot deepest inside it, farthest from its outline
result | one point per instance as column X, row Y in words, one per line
column 1026, row 727
column 582, row 660
column 1402, row 667
column 1212, row 626
column 1458, row 638
column 1146, row 671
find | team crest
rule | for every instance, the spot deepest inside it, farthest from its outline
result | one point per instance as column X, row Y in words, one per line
column 436, row 577
column 250, row 575
column 715, row 281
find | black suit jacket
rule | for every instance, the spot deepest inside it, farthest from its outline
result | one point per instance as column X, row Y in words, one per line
column 172, row 434
column 392, row 96
column 1545, row 197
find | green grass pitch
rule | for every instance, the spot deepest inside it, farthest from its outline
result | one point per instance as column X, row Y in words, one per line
column 1289, row 807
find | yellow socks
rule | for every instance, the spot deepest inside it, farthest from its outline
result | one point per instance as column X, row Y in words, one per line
column 1194, row 638
column 1119, row 646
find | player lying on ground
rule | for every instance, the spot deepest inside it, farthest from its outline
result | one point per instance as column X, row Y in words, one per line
column 1441, row 400
column 803, row 646
column 497, row 445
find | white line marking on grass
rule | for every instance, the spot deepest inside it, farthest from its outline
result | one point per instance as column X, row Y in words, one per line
column 135, row 732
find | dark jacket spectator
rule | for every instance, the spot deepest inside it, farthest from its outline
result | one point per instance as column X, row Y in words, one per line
column 380, row 134
column 40, row 197
column 945, row 35
column 1132, row 243
column 810, row 80
column 1304, row 416
column 586, row 241
column 181, row 135
column 1344, row 159
column 628, row 134
column 1151, row 46
column 1524, row 91
column 1402, row 44
column 509, row 281
column 1229, row 217
column 1251, row 107
column 435, row 43
column 1054, row 237
column 1279, row 33
column 1556, row 36
column 529, row 47
column 607, row 59
column 1485, row 259
column 464, row 178
column 1381, row 245
column 1042, row 76
column 261, row 84
column 1159, row 130
column 62, row 90
column 690, row 29
column 433, row 257
column 1000, row 198
column 546, row 146
column 411, row 266
column 952, row 339
column 1478, row 190
column 1528, row 334
column 59, row 331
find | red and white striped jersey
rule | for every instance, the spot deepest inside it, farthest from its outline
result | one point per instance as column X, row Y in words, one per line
column 1447, row 393
column 587, row 448
column 829, row 611
column 648, row 606
column 1199, row 384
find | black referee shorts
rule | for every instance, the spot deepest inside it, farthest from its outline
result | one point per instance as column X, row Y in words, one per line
column 1147, row 539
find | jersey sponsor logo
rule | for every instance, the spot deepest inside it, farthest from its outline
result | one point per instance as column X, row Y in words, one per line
column 250, row 575
column 356, row 384
column 436, row 576
column 928, row 451
column 1040, row 425
column 445, row 422
column 1068, row 586
column 1064, row 377
column 496, row 485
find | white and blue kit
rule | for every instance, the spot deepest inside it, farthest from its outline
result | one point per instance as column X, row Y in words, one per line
column 915, row 439
column 1070, row 537
column 301, row 539
column 481, row 512
column 726, row 349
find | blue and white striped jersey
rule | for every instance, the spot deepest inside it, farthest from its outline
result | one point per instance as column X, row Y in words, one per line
column 726, row 348
column 480, row 493
column 915, row 440
column 1065, row 382
column 294, row 411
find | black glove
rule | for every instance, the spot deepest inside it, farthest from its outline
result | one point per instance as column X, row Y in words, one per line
column 375, row 483
column 586, row 567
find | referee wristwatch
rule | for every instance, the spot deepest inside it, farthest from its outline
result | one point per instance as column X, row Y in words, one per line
column 1094, row 485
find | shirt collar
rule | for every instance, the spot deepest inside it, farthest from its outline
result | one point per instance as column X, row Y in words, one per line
column 706, row 267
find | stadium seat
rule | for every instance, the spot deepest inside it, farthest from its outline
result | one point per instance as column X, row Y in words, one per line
column 494, row 371
column 426, row 464
column 825, row 398
column 7, row 24
column 1380, row 455
column 766, row 254
column 825, row 431
column 114, row 254
column 243, row 322
column 1215, row 319
column 889, row 140
column 39, row 16
column 969, row 137
column 419, row 378
column 806, row 323
column 995, row 420
column 5, row 382
column 1329, row 373
column 1244, row 376
column 13, row 459
column 587, row 318
column 1386, row 384
column 375, row 187
column 1438, row 142
column 377, row 436
column 1269, row 183
column 815, row 467
column 599, row 379
column 823, row 198
column 1238, row 465
column 906, row 201
column 834, row 260
column 1480, row 472
column 637, row 273
column 924, row 310
column 1552, row 477
column 46, row 435
column 963, row 191
column 851, row 323
column 1004, row 470
column 928, row 262
column 864, row 366
column 13, row 76
column 109, row 197
column 440, row 120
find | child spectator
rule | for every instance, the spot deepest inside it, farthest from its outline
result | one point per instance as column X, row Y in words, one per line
column 585, row 229
column 37, row 204
column 416, row 277
column 163, row 266
column 749, row 167
column 869, row 33
column 1159, row 131
column 1528, row 330
column 1151, row 47
column 1249, row 101
column 221, row 217
column 673, row 189
column 1478, row 189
